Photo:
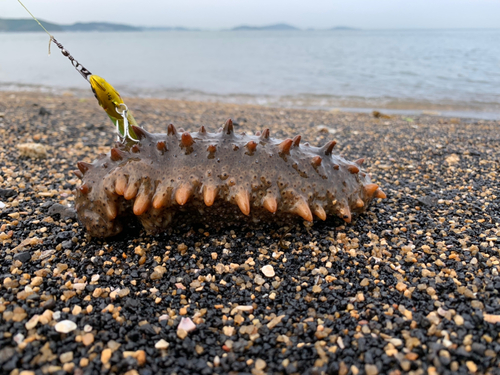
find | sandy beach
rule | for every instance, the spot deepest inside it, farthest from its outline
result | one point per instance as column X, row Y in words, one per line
column 411, row 286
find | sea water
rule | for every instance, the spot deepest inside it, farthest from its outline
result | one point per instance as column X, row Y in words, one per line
column 455, row 72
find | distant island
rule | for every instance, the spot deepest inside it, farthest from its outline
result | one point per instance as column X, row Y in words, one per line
column 278, row 26
column 28, row 25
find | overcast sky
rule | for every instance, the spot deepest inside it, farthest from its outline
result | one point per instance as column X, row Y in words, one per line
column 216, row 14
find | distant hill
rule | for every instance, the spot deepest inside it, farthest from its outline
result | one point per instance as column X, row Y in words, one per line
column 343, row 28
column 25, row 25
column 99, row 26
column 278, row 26
column 28, row 25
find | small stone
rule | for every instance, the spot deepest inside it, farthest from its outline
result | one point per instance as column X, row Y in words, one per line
column 66, row 357
column 268, row 271
column 260, row 364
column 76, row 310
column 228, row 330
column 140, row 356
column 32, row 150
column 37, row 281
column 316, row 289
column 88, row 339
column 401, row 286
column 186, row 324
column 259, row 280
column 371, row 369
column 32, row 322
column 162, row 344
column 471, row 366
column 106, row 355
column 490, row 318
column 65, row 326
column 182, row 334
column 365, row 282
column 458, row 320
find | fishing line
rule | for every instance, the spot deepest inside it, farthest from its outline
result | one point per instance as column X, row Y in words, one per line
column 79, row 67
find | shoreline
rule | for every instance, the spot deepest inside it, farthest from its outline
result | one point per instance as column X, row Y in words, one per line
column 390, row 106
column 411, row 285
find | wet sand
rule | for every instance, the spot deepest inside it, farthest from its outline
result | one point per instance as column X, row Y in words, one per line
column 410, row 286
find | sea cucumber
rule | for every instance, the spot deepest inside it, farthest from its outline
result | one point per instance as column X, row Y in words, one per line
column 222, row 175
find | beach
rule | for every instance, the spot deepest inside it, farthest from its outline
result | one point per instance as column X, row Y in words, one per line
column 411, row 286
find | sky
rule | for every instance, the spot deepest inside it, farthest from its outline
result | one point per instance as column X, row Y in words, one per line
column 221, row 14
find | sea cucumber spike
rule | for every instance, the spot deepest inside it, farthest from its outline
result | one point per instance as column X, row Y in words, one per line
column 360, row 203
column 345, row 213
column 131, row 190
column 111, row 209
column 84, row 167
column 121, row 184
column 135, row 149
column 140, row 132
column 316, row 161
column 380, row 194
column 336, row 167
column 209, row 194
column 360, row 161
column 203, row 130
column 251, row 146
column 186, row 139
column 141, row 203
column 328, row 148
column 78, row 174
column 116, row 155
column 162, row 196
column 181, row 130
column 84, row 188
column 265, row 135
column 161, row 146
column 296, row 140
column 243, row 201
column 257, row 133
column 182, row 194
column 228, row 127
column 285, row 146
column 320, row 212
column 370, row 189
column 171, row 130
column 212, row 148
column 302, row 209
column 270, row 203
column 353, row 169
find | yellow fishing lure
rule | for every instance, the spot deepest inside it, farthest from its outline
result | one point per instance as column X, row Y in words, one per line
column 110, row 100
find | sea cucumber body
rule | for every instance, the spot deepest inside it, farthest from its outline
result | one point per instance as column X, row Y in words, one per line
column 223, row 175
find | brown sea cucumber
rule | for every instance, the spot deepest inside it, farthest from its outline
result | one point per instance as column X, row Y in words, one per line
column 223, row 175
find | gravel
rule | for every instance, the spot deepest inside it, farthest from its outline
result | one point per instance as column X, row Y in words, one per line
column 412, row 286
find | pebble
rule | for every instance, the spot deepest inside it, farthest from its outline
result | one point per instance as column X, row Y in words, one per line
column 162, row 344
column 66, row 357
column 33, row 150
column 268, row 271
column 65, row 326
column 88, row 339
column 106, row 355
column 186, row 324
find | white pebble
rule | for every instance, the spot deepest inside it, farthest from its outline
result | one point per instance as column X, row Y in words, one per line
column 268, row 270
column 162, row 344
column 87, row 328
column 186, row 324
column 65, row 326
column 56, row 315
column 2, row 205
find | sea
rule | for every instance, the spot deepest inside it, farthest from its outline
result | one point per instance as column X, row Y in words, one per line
column 437, row 72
